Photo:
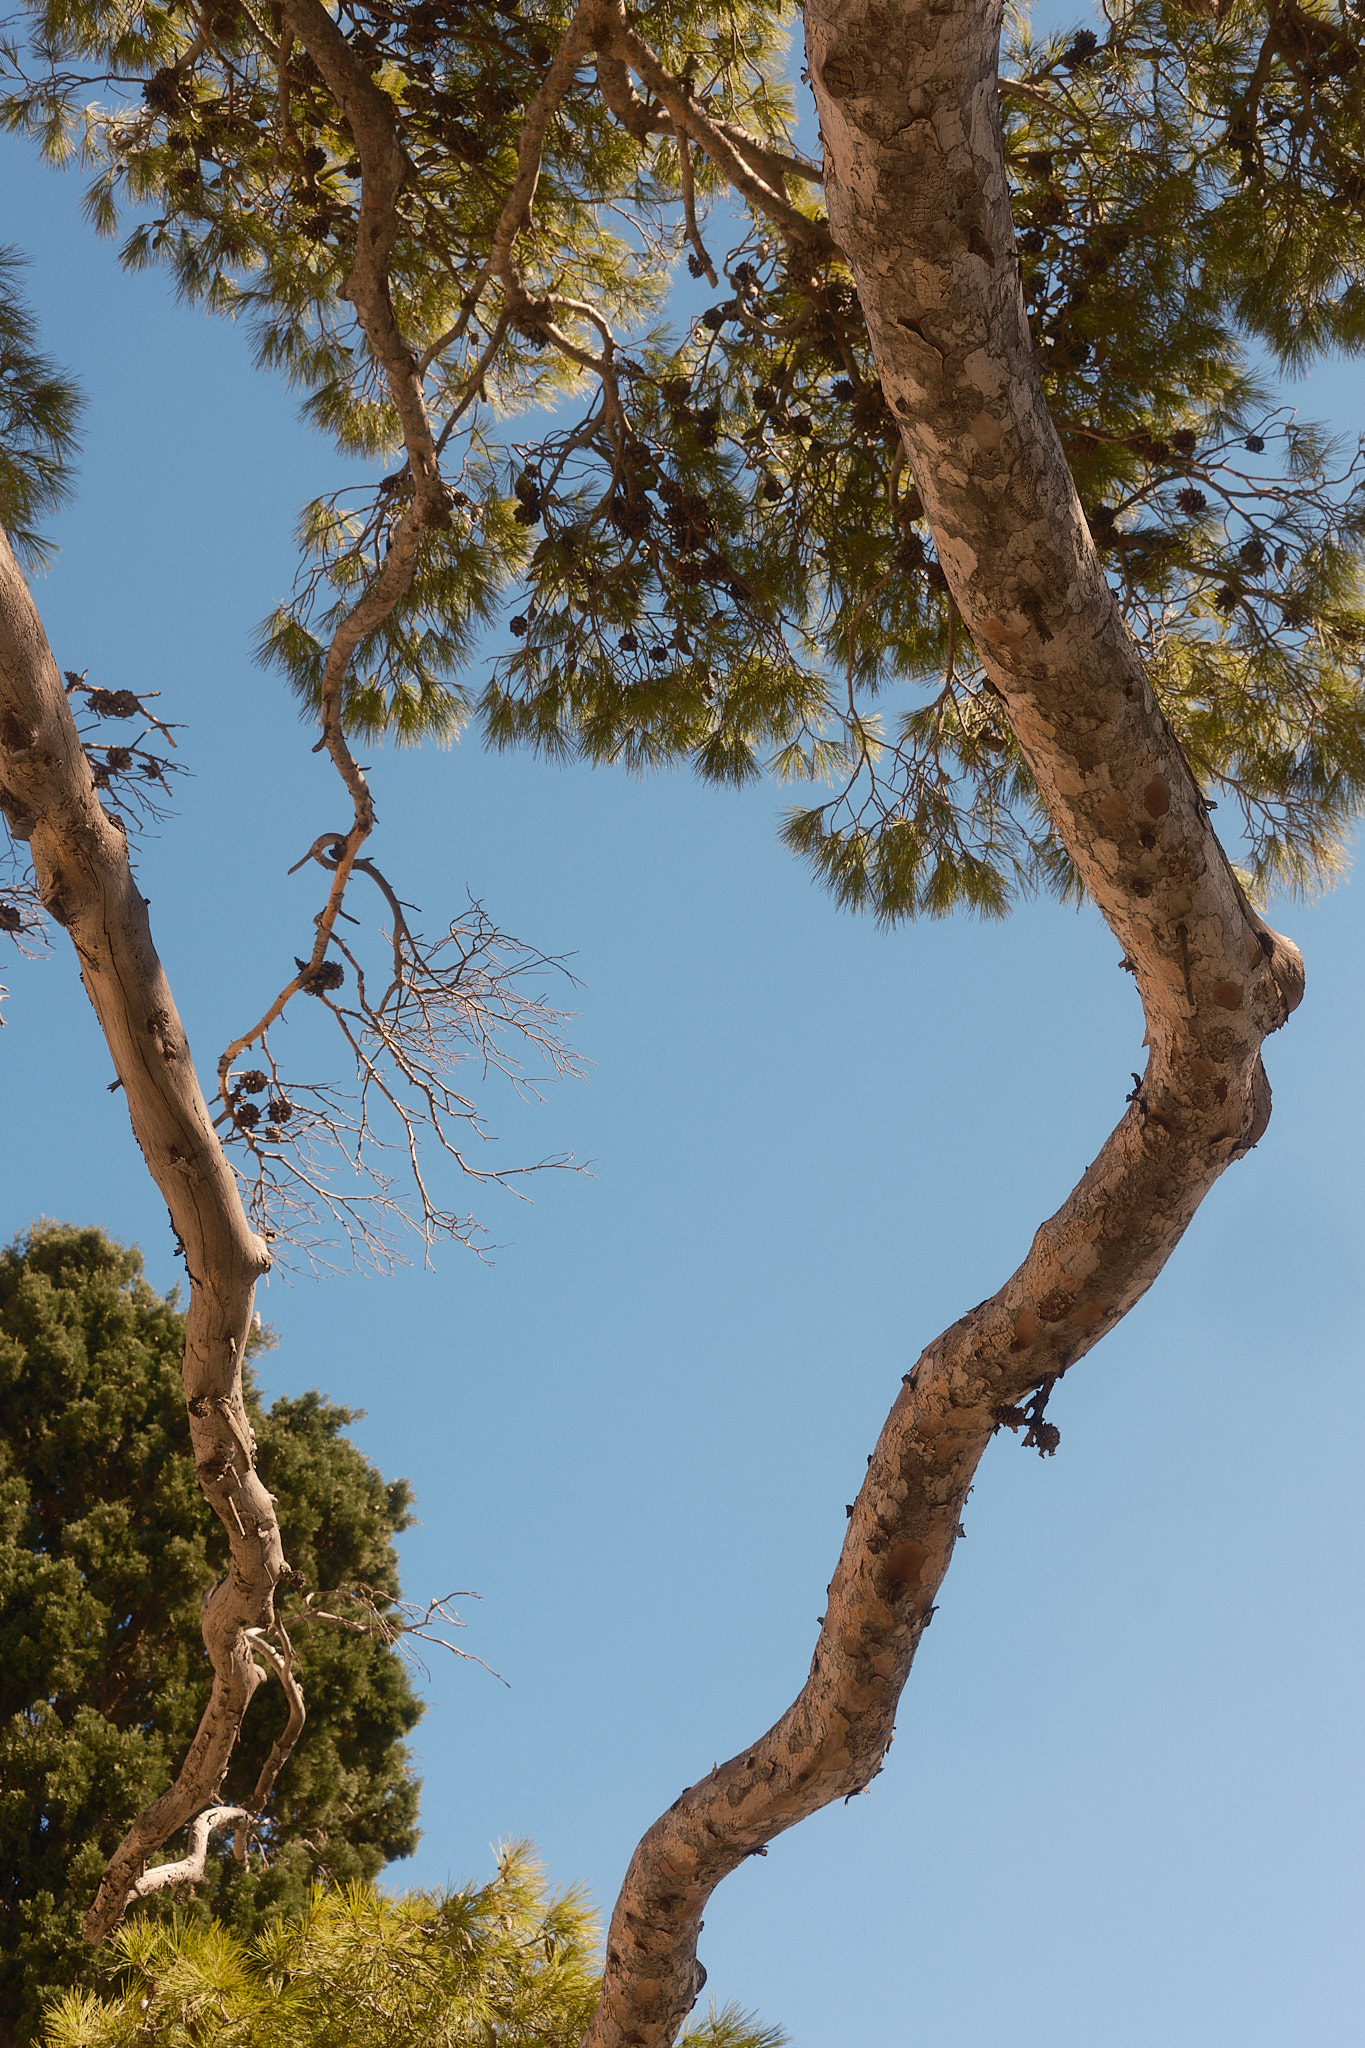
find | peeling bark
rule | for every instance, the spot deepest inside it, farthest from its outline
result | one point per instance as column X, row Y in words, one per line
column 80, row 856
column 915, row 177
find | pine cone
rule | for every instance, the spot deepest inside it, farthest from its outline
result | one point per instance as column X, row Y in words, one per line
column 112, row 703
column 316, row 981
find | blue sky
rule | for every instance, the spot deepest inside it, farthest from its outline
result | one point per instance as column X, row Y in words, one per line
column 1124, row 1804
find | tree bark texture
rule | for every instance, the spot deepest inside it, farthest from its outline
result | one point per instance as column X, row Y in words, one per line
column 80, row 856
column 915, row 178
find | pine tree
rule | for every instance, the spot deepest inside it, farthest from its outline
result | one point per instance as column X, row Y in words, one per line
column 717, row 553
column 356, row 1968
column 966, row 499
column 105, row 1553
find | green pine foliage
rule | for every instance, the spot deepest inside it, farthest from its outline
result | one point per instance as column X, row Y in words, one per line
column 704, row 534
column 504, row 1962
column 106, row 1547
column 39, row 410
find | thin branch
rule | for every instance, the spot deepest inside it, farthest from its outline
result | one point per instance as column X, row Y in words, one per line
column 771, row 164
column 281, row 1662
column 384, row 168
column 708, row 268
column 577, row 42
column 395, row 1623
column 689, row 119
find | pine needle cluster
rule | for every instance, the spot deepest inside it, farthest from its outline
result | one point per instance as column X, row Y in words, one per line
column 39, row 416
column 504, row 1962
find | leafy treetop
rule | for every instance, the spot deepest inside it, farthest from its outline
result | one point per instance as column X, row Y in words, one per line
column 717, row 551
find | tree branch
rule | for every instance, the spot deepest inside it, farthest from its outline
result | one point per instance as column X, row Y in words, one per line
column 80, row 856
column 730, row 151
column 576, row 44
column 384, row 166
column 190, row 1868
column 920, row 208
column 642, row 120
column 771, row 164
column 281, row 1662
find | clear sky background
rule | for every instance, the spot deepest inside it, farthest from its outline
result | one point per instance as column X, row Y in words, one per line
column 1125, row 1801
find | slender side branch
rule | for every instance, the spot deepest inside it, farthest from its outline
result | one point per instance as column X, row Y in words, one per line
column 732, row 157
column 771, row 164
column 620, row 96
column 576, row 44
column 919, row 204
column 281, row 1662
column 80, row 857
column 367, row 614
column 643, row 120
column 689, row 198
column 383, row 168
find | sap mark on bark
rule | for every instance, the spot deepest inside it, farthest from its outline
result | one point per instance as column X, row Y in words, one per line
column 1025, row 1330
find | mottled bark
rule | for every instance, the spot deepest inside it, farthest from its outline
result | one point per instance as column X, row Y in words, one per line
column 915, row 178
column 80, row 856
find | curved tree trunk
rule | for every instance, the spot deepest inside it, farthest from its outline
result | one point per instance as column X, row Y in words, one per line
column 915, row 178
column 80, row 855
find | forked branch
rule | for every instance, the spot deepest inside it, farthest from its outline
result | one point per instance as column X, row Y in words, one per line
column 397, row 1624
column 755, row 172
column 441, row 1001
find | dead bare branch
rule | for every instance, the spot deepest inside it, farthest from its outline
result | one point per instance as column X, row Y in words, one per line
column 473, row 995
column 397, row 1624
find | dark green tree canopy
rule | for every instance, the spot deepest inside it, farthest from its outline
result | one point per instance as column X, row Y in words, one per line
column 106, row 1548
